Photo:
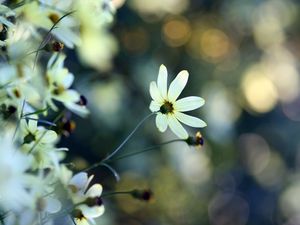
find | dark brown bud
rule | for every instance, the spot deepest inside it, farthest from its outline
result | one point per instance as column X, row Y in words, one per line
column 196, row 140
column 143, row 195
column 65, row 126
column 57, row 46
column 83, row 101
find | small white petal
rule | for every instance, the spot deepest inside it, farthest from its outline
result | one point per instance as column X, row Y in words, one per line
column 79, row 180
column 155, row 93
column 52, row 205
column 161, row 122
column 68, row 80
column 48, row 137
column 91, row 212
column 68, row 96
column 32, row 126
column 176, row 127
column 190, row 120
column 94, row 191
column 162, row 81
column 188, row 103
column 77, row 109
column 177, row 85
column 154, row 106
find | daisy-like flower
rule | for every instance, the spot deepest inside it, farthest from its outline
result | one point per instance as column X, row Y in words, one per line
column 88, row 200
column 169, row 109
column 59, row 82
column 40, row 142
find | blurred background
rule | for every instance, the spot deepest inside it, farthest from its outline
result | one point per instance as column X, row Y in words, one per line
column 242, row 57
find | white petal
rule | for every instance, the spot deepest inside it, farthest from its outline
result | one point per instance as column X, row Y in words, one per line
column 154, row 106
column 188, row 103
column 68, row 80
column 52, row 205
column 68, row 96
column 94, row 191
column 79, row 180
column 177, row 85
column 32, row 126
column 48, row 137
column 91, row 212
column 190, row 120
column 161, row 122
column 176, row 127
column 162, row 81
column 155, row 93
column 77, row 109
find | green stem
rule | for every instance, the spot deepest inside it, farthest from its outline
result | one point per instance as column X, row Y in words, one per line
column 128, row 137
column 109, row 194
column 155, row 147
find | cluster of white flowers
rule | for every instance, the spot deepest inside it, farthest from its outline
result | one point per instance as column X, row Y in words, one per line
column 35, row 186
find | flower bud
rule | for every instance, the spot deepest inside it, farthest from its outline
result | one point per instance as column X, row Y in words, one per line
column 82, row 101
column 143, row 195
column 196, row 140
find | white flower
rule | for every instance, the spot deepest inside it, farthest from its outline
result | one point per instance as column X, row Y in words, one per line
column 40, row 143
column 14, row 180
column 97, row 46
column 88, row 199
column 169, row 109
column 59, row 82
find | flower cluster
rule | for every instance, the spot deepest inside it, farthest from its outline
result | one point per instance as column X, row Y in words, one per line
column 36, row 187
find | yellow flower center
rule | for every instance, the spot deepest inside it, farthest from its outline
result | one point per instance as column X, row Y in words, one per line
column 166, row 108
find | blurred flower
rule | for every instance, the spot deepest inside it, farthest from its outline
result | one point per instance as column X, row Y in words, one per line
column 13, row 178
column 97, row 46
column 40, row 142
column 87, row 200
column 169, row 109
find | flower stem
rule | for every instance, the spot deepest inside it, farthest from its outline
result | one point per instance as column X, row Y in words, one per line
column 151, row 148
column 128, row 137
column 109, row 194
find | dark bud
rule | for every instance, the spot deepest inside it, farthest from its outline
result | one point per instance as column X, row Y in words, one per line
column 54, row 46
column 83, row 101
column 57, row 46
column 197, row 140
column 66, row 126
column 3, row 32
column 143, row 195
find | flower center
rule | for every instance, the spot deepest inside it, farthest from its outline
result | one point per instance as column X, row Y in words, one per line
column 166, row 108
column 78, row 214
column 96, row 201
column 29, row 138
